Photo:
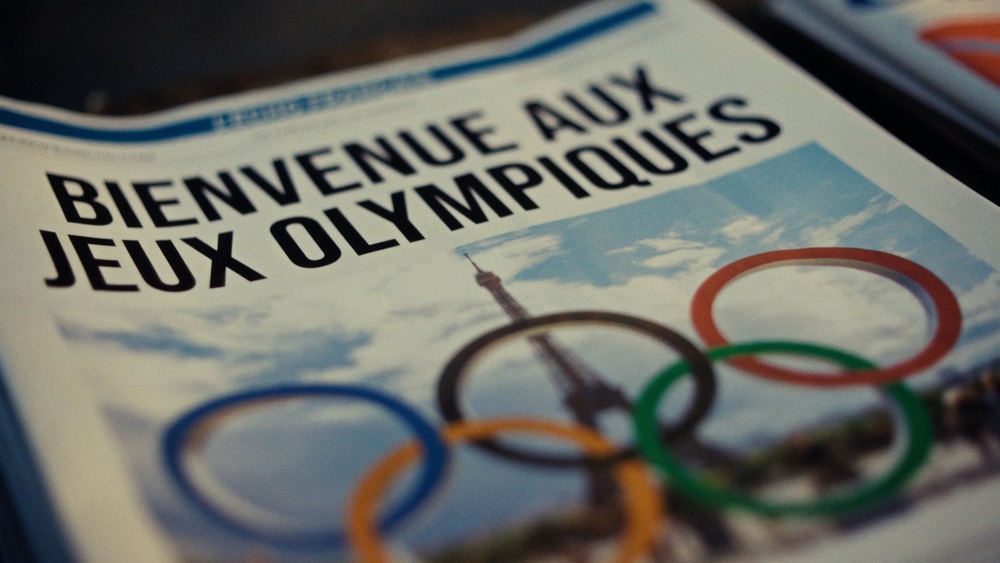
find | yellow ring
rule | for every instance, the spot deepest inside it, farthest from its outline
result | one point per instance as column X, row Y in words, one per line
column 643, row 508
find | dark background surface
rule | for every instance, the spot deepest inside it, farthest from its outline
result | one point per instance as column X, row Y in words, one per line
column 137, row 56
column 130, row 55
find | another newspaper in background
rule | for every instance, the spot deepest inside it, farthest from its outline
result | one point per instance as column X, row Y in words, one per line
column 944, row 53
column 624, row 287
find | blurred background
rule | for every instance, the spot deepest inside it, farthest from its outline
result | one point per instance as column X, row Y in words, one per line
column 137, row 56
column 133, row 56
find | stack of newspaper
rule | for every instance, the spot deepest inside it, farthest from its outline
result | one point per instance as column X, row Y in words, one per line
column 943, row 53
column 626, row 286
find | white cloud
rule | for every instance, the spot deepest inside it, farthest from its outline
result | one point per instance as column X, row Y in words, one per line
column 517, row 255
column 855, row 311
column 674, row 252
column 668, row 243
column 744, row 227
column 980, row 313
column 692, row 259
column 830, row 234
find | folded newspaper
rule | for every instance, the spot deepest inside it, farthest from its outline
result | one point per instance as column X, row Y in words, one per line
column 943, row 53
column 625, row 286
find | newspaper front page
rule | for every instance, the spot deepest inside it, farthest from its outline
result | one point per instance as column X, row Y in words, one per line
column 625, row 286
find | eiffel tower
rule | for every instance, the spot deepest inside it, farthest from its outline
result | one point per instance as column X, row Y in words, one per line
column 584, row 393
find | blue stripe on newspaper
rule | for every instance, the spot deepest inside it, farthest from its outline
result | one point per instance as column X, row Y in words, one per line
column 330, row 98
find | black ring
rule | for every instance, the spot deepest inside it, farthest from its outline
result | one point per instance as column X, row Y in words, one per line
column 701, row 370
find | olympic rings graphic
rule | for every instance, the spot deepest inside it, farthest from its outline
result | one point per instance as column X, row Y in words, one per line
column 642, row 498
column 454, row 372
column 190, row 433
column 913, row 415
column 186, row 438
column 933, row 293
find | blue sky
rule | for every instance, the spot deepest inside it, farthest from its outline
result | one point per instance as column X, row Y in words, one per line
column 807, row 198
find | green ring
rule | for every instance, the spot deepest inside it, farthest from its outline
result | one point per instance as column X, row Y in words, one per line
column 919, row 440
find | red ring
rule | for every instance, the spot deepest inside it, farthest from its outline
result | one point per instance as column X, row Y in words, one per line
column 918, row 280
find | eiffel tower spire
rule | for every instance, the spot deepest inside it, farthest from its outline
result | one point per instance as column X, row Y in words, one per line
column 584, row 393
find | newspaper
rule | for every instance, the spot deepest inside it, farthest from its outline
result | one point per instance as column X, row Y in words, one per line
column 942, row 52
column 624, row 286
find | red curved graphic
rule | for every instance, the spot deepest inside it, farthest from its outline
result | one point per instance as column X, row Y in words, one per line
column 973, row 43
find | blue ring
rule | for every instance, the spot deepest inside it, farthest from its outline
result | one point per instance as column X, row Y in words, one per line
column 435, row 458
